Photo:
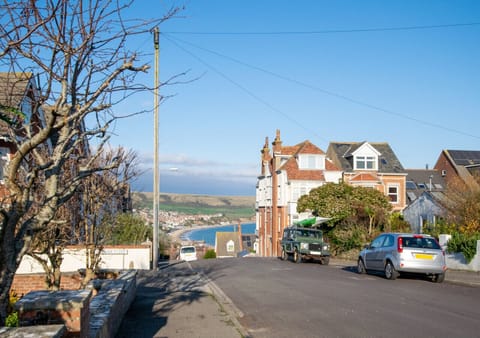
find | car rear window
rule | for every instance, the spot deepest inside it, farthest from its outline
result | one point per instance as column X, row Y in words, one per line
column 420, row 242
column 187, row 249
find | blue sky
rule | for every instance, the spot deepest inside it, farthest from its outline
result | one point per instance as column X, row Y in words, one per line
column 402, row 72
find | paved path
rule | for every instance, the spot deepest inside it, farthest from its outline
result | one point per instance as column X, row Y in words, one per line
column 176, row 302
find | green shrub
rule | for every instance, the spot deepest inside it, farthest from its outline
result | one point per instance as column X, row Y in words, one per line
column 466, row 244
column 12, row 320
column 347, row 238
column 12, row 317
column 210, row 254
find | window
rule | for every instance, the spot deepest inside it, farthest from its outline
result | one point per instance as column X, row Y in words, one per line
column 388, row 241
column 392, row 193
column 365, row 162
column 230, row 246
column 311, row 162
column 3, row 161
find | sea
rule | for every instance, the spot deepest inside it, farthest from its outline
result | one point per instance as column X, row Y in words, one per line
column 208, row 234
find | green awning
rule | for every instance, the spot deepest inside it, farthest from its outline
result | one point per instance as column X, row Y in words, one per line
column 308, row 222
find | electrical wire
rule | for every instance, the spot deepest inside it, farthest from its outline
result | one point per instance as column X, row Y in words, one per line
column 332, row 31
column 244, row 89
column 324, row 91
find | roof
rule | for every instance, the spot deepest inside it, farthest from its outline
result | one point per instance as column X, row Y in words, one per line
column 221, row 241
column 341, row 153
column 13, row 88
column 418, row 181
column 291, row 165
column 465, row 157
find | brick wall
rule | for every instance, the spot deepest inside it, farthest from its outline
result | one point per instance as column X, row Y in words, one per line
column 22, row 284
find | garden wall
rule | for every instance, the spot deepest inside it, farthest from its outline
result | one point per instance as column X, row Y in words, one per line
column 457, row 261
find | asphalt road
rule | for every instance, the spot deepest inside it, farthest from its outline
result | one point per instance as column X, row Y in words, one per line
column 284, row 299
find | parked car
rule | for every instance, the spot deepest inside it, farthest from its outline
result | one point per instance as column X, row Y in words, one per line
column 188, row 253
column 396, row 253
column 304, row 243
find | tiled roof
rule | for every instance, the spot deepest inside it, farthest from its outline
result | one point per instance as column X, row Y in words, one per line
column 341, row 155
column 364, row 177
column 13, row 88
column 291, row 166
column 418, row 181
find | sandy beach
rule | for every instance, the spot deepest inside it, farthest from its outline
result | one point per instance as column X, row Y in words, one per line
column 176, row 235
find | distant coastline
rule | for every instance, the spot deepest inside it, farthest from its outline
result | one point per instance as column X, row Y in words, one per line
column 206, row 233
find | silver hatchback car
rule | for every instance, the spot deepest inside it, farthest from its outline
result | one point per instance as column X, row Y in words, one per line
column 394, row 253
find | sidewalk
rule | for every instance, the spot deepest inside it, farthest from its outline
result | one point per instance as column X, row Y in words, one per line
column 177, row 302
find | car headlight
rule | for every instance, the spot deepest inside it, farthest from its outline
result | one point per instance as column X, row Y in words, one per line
column 304, row 246
column 326, row 247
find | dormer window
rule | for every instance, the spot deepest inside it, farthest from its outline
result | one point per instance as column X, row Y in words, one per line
column 311, row 162
column 365, row 163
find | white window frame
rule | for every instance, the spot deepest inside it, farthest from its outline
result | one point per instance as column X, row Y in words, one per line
column 369, row 162
column 393, row 197
column 311, row 162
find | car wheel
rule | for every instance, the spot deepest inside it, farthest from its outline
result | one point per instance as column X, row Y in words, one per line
column 297, row 258
column 361, row 267
column 390, row 272
column 439, row 277
column 284, row 255
column 325, row 260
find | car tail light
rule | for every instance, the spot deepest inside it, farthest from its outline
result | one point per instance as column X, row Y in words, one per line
column 400, row 245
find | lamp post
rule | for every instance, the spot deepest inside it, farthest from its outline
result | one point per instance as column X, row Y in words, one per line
column 156, row 175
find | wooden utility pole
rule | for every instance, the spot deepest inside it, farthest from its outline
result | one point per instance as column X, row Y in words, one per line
column 156, row 175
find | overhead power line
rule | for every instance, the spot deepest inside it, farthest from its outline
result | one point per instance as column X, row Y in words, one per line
column 243, row 88
column 332, row 31
column 306, row 85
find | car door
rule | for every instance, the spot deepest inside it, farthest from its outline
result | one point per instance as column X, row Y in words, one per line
column 373, row 255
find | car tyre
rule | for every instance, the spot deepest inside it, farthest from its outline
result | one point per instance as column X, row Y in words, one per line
column 361, row 267
column 284, row 255
column 325, row 260
column 439, row 277
column 297, row 257
column 390, row 272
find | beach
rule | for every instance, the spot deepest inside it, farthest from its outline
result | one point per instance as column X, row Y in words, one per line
column 176, row 235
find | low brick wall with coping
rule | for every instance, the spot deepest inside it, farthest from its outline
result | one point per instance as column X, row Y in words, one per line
column 95, row 312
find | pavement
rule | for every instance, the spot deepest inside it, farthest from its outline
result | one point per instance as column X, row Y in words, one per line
column 178, row 302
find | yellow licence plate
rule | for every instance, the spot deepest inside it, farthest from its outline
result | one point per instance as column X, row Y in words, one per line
column 423, row 256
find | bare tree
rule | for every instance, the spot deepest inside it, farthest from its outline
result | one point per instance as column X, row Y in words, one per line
column 104, row 196
column 78, row 49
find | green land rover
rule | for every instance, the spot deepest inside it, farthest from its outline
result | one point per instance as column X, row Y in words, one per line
column 304, row 244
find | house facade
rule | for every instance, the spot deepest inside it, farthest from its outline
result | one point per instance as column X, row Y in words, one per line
column 287, row 173
column 18, row 93
column 459, row 164
column 373, row 165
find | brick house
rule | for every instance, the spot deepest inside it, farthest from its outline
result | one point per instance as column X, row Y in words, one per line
column 287, row 172
column 459, row 164
column 20, row 92
column 372, row 165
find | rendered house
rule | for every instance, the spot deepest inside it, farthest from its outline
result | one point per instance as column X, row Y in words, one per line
column 372, row 165
column 287, row 173
column 425, row 198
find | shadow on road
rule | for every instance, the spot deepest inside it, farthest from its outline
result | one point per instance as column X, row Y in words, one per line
column 158, row 295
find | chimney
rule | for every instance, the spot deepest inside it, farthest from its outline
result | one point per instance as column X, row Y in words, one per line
column 426, row 166
column 240, row 235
